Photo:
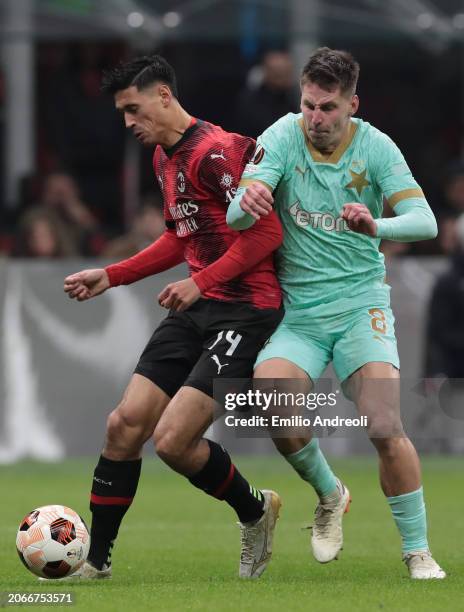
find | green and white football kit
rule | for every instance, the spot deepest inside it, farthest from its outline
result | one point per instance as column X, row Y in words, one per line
column 336, row 300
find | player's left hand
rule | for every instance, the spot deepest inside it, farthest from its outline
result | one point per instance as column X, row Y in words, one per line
column 179, row 295
column 359, row 219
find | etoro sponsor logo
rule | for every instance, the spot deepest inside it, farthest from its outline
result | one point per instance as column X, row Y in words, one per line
column 317, row 220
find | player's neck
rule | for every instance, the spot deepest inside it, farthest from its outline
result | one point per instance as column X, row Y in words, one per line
column 178, row 125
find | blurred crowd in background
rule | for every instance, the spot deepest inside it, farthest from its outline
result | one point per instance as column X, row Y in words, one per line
column 73, row 204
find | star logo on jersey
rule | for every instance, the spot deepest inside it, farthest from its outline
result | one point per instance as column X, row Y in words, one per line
column 358, row 181
column 181, row 182
column 226, row 181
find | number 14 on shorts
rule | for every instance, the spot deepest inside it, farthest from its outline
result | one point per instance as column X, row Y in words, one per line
column 230, row 338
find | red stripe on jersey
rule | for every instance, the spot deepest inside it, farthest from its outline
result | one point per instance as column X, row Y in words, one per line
column 101, row 500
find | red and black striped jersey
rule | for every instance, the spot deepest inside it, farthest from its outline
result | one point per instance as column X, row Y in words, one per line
column 198, row 178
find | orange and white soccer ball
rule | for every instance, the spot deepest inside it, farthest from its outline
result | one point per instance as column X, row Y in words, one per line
column 52, row 541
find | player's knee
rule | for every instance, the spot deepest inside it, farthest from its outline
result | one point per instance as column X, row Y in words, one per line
column 383, row 427
column 388, row 448
column 124, row 425
column 169, row 446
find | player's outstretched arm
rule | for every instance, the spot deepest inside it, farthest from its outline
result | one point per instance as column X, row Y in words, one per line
column 163, row 254
column 249, row 205
column 86, row 284
column 414, row 221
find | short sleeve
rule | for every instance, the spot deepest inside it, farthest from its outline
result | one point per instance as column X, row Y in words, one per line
column 392, row 173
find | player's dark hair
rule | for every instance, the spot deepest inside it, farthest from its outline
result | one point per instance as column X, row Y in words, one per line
column 140, row 72
column 330, row 68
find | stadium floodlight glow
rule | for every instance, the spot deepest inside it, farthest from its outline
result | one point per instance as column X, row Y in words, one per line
column 425, row 21
column 458, row 21
column 172, row 19
column 135, row 19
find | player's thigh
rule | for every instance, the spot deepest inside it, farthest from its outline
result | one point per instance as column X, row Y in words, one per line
column 369, row 337
column 171, row 352
column 375, row 390
column 232, row 340
column 184, row 421
column 276, row 367
column 289, row 345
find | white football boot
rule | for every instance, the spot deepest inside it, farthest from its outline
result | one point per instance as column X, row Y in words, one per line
column 422, row 566
column 256, row 539
column 327, row 533
column 86, row 572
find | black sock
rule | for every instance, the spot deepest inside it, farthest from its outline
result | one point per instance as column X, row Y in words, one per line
column 113, row 488
column 220, row 478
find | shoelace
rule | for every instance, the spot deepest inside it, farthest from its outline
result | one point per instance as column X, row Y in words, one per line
column 246, row 536
column 426, row 557
column 322, row 518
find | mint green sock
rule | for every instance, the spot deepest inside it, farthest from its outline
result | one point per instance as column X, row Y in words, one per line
column 409, row 515
column 312, row 466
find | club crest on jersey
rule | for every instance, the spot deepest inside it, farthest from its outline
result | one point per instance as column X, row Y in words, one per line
column 181, row 182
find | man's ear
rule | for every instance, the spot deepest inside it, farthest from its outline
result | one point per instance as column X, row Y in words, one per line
column 165, row 94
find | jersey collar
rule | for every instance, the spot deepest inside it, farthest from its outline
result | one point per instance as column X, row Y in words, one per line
column 335, row 156
column 194, row 124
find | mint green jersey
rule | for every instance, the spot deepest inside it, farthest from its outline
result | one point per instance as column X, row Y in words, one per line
column 320, row 259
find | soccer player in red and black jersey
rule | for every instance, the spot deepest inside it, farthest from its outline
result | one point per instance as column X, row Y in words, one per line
column 218, row 319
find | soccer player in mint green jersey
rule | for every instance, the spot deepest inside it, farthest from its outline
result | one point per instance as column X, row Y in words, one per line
column 326, row 174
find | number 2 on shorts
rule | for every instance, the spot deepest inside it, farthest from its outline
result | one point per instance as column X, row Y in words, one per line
column 378, row 322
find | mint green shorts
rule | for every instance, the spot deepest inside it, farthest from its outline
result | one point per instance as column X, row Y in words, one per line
column 349, row 332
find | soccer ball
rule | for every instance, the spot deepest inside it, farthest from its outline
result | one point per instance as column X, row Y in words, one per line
column 52, row 541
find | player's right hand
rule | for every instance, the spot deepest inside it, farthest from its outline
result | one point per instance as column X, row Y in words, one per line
column 86, row 284
column 257, row 201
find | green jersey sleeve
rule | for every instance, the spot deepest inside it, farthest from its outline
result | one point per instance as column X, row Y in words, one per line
column 414, row 218
column 267, row 165
column 391, row 172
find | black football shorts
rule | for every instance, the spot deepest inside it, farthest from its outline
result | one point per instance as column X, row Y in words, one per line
column 209, row 340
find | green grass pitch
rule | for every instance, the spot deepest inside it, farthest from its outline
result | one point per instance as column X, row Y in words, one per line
column 178, row 549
